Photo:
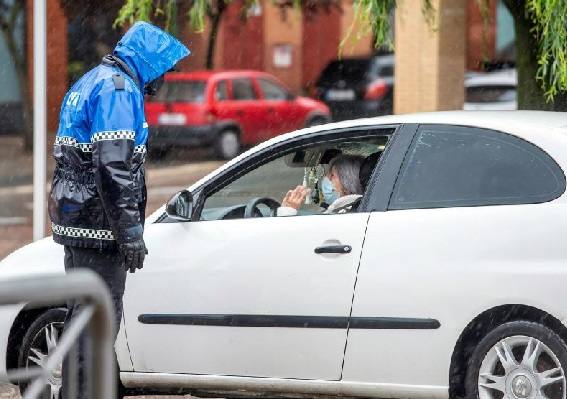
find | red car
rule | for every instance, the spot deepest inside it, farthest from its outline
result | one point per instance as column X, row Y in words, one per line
column 226, row 110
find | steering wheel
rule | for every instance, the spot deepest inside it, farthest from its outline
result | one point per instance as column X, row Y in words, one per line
column 252, row 210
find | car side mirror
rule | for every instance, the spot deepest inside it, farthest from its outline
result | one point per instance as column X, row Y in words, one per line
column 290, row 97
column 180, row 206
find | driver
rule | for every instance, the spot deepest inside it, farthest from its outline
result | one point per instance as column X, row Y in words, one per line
column 341, row 188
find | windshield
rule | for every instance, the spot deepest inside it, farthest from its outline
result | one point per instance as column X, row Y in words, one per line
column 182, row 91
column 350, row 70
column 490, row 94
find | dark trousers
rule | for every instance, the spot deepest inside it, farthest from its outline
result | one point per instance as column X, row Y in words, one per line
column 108, row 265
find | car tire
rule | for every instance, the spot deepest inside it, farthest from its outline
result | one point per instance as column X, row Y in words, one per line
column 38, row 342
column 518, row 359
column 159, row 152
column 317, row 120
column 49, row 323
column 227, row 145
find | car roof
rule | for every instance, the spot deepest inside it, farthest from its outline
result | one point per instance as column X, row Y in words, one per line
column 218, row 74
column 524, row 124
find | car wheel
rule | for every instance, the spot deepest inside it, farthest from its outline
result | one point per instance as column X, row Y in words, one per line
column 317, row 120
column 38, row 343
column 227, row 145
column 159, row 152
column 518, row 360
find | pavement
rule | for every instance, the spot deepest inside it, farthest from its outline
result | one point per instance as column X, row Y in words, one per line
column 165, row 177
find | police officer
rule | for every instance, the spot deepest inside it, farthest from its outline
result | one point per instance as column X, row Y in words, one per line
column 98, row 195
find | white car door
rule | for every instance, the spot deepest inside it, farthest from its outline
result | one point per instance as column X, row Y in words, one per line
column 246, row 297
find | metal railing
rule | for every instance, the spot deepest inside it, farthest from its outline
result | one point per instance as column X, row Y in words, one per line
column 96, row 317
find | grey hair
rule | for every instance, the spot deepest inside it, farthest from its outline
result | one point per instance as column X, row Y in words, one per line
column 347, row 167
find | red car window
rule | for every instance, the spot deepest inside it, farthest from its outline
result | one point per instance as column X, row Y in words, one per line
column 242, row 89
column 191, row 91
column 272, row 90
column 221, row 91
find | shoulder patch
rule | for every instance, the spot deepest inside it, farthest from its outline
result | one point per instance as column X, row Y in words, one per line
column 119, row 81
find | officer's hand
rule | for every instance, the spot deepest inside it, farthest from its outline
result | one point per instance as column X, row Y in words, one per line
column 133, row 254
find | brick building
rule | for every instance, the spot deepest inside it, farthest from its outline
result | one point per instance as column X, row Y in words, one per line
column 290, row 44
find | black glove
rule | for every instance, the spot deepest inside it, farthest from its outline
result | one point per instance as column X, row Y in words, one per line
column 133, row 253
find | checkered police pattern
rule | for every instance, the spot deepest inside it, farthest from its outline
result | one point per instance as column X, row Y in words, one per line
column 72, row 142
column 113, row 135
column 82, row 233
column 140, row 149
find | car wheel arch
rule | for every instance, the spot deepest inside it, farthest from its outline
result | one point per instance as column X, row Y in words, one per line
column 22, row 323
column 481, row 325
column 229, row 125
column 314, row 116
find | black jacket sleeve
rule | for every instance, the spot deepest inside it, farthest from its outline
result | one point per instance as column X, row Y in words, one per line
column 115, row 121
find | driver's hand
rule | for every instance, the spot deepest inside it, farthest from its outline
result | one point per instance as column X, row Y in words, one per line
column 296, row 197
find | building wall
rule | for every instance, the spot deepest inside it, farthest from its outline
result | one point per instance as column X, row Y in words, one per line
column 481, row 38
column 321, row 38
column 283, row 28
column 242, row 39
column 57, row 82
column 357, row 38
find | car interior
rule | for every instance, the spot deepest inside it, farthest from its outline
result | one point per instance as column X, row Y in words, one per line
column 259, row 192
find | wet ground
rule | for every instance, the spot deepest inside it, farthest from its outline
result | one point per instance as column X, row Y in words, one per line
column 12, row 392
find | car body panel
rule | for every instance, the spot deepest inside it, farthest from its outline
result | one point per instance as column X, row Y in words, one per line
column 255, row 119
column 407, row 269
column 235, row 274
column 450, row 264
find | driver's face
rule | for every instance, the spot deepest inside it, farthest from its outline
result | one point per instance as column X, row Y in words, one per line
column 334, row 178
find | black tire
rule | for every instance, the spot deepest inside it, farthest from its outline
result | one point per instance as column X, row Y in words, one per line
column 227, row 144
column 51, row 316
column 317, row 120
column 159, row 153
column 34, row 338
column 511, row 329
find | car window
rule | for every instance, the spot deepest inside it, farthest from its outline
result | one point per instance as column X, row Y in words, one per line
column 386, row 70
column 221, row 91
column 276, row 177
column 186, row 91
column 490, row 94
column 272, row 91
column 458, row 166
column 242, row 89
column 348, row 70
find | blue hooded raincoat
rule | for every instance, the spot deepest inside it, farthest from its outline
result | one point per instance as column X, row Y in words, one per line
column 98, row 194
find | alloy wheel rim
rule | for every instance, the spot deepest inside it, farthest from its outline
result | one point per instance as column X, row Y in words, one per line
column 521, row 367
column 43, row 345
column 229, row 144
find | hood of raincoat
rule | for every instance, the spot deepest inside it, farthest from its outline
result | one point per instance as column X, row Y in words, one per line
column 149, row 51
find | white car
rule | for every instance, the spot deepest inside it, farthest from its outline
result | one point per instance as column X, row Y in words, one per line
column 448, row 279
column 492, row 91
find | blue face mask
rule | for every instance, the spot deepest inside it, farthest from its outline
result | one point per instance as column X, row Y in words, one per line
column 330, row 195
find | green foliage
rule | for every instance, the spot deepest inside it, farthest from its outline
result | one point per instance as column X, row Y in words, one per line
column 549, row 19
column 147, row 10
column 374, row 17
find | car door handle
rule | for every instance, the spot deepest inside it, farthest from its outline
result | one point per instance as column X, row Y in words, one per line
column 333, row 249
column 271, row 110
column 240, row 112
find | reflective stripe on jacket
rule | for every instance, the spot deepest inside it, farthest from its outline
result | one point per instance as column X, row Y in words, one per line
column 98, row 194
